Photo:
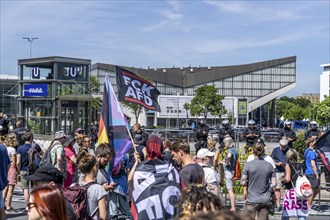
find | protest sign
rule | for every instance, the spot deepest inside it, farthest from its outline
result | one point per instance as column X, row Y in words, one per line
column 293, row 206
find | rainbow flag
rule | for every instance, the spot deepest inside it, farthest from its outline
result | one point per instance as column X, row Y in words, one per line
column 113, row 127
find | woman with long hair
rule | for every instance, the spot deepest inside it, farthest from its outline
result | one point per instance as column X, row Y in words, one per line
column 11, row 143
column 47, row 202
column 88, row 166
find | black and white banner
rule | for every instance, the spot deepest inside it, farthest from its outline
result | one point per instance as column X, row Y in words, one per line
column 132, row 88
column 156, row 190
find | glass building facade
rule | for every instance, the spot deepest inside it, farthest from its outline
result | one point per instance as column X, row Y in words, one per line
column 257, row 82
column 8, row 94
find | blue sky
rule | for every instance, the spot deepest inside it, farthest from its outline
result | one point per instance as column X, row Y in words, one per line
column 167, row 33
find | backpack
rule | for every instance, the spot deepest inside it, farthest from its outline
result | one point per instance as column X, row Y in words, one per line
column 303, row 187
column 238, row 171
column 77, row 196
column 46, row 159
column 34, row 159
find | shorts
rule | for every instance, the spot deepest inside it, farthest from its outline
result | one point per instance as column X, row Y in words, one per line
column 279, row 177
column 24, row 182
column 12, row 176
column 314, row 182
column 229, row 179
column 2, row 203
column 261, row 209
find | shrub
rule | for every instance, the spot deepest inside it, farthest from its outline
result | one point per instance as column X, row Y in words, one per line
column 299, row 145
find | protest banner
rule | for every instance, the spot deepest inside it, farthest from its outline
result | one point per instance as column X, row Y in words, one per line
column 156, row 190
column 134, row 89
column 293, row 206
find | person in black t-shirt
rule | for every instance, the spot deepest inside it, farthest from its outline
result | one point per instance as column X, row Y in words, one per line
column 192, row 172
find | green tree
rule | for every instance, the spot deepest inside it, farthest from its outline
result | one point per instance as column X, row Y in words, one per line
column 295, row 113
column 95, row 89
column 302, row 102
column 323, row 111
column 206, row 100
column 136, row 109
column 282, row 107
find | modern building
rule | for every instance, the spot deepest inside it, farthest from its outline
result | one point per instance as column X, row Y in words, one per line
column 325, row 81
column 53, row 94
column 252, row 88
column 8, row 95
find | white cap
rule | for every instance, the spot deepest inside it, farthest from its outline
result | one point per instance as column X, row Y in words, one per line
column 204, row 152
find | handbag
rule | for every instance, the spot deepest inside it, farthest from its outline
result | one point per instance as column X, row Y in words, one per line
column 238, row 172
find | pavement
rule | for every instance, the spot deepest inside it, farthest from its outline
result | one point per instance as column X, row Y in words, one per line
column 323, row 204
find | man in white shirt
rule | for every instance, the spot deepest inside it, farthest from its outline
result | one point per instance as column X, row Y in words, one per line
column 210, row 176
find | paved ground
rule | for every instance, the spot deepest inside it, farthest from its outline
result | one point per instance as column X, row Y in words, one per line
column 324, row 214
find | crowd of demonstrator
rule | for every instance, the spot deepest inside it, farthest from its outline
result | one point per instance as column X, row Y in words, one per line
column 75, row 161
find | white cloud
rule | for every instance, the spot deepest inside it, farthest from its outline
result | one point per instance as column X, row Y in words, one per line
column 173, row 18
column 257, row 12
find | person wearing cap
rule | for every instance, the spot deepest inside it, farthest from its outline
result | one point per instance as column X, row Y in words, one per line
column 313, row 130
column 288, row 133
column 23, row 162
column 52, row 176
column 71, row 159
column 191, row 173
column 57, row 152
column 211, row 178
column 202, row 132
column 78, row 134
column 279, row 156
column 229, row 164
column 140, row 148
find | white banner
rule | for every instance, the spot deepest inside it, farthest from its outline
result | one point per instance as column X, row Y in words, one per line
column 293, row 206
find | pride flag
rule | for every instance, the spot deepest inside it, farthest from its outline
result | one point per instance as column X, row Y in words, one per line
column 113, row 125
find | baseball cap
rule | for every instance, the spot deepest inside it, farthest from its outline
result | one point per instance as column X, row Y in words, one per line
column 46, row 174
column 80, row 130
column 204, row 153
column 59, row 134
column 138, row 139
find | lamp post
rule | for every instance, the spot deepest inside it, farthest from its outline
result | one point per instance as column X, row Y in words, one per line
column 30, row 39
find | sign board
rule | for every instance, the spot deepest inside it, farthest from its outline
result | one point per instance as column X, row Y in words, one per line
column 293, row 206
column 35, row 90
column 35, row 73
column 242, row 106
column 66, row 103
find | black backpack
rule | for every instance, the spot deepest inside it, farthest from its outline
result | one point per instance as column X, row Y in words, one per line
column 34, row 159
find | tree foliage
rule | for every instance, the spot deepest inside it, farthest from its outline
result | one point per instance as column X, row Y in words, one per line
column 293, row 109
column 136, row 109
column 94, row 89
column 323, row 111
column 206, row 100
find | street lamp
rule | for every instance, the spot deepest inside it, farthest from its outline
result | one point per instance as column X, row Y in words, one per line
column 30, row 39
